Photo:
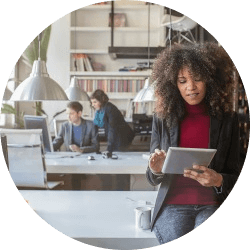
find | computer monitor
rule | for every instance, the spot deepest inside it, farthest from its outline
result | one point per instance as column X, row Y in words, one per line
column 40, row 122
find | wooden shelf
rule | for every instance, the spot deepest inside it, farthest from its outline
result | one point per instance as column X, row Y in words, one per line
column 119, row 95
column 118, row 7
column 108, row 29
column 135, row 52
column 89, row 51
column 111, row 73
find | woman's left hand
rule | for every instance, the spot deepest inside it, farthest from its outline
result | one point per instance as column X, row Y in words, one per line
column 208, row 178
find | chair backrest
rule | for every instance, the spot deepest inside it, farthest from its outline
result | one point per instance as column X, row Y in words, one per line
column 25, row 154
column 183, row 24
column 5, row 149
column 57, row 126
column 188, row 23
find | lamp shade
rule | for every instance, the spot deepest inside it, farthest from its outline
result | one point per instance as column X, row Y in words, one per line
column 39, row 86
column 74, row 93
column 146, row 94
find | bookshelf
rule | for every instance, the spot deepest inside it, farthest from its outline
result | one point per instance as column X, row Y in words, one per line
column 90, row 35
column 127, row 87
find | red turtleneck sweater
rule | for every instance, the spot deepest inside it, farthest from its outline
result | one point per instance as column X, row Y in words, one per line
column 194, row 133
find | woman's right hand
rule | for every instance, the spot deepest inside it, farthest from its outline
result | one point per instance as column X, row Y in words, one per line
column 156, row 161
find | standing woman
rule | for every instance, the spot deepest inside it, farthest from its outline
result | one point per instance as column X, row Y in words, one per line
column 193, row 109
column 118, row 133
column 108, row 116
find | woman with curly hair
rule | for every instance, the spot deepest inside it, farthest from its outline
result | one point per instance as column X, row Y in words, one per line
column 193, row 88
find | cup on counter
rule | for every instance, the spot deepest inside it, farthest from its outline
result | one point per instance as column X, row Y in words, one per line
column 142, row 218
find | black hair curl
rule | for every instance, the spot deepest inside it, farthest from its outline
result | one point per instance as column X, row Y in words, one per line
column 207, row 61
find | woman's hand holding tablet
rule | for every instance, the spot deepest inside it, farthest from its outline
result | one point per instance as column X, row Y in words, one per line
column 156, row 161
column 208, row 177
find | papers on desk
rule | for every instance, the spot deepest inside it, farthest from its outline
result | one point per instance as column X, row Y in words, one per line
column 56, row 155
column 142, row 203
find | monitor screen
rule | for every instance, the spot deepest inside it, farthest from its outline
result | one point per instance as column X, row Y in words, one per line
column 40, row 122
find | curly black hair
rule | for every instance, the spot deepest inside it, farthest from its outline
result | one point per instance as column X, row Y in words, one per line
column 207, row 61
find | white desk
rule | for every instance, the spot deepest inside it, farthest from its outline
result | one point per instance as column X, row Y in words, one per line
column 127, row 163
column 100, row 218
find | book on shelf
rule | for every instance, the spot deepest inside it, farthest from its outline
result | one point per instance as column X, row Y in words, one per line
column 81, row 62
column 87, row 63
column 140, row 67
column 115, row 85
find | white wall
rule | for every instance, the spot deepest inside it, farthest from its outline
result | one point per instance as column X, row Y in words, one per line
column 58, row 63
column 58, row 51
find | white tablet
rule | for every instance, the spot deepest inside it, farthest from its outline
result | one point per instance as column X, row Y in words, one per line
column 178, row 159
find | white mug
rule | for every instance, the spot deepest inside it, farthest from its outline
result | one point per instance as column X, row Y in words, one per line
column 142, row 217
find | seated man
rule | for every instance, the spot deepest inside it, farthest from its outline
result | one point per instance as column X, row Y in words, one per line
column 77, row 134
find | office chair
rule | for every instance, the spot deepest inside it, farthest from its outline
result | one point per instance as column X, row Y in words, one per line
column 4, row 148
column 57, row 125
column 182, row 25
column 26, row 158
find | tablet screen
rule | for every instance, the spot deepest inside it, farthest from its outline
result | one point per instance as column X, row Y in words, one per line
column 178, row 159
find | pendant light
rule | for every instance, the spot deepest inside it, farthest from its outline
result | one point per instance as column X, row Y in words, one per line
column 75, row 93
column 39, row 86
column 146, row 94
column 7, row 94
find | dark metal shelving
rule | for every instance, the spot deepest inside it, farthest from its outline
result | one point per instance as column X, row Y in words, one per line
column 130, row 52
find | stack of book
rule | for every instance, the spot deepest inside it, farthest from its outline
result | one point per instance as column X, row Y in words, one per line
column 81, row 62
column 141, row 66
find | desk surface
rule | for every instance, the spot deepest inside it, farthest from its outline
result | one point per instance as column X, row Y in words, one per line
column 127, row 163
column 92, row 214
